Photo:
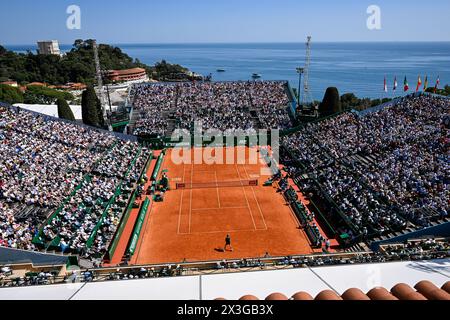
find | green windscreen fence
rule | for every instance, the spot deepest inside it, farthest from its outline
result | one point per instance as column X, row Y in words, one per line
column 138, row 227
column 158, row 166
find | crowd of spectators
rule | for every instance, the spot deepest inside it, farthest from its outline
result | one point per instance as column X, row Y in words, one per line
column 417, row 250
column 413, row 250
column 152, row 102
column 268, row 96
column 43, row 163
column 385, row 170
column 224, row 106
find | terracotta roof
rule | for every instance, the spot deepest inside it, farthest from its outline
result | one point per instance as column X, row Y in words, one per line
column 424, row 290
column 38, row 84
column 72, row 86
column 126, row 71
column 9, row 82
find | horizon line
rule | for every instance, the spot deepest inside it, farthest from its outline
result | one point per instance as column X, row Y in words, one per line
column 238, row 42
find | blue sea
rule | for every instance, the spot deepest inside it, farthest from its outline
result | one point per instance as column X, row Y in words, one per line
column 351, row 67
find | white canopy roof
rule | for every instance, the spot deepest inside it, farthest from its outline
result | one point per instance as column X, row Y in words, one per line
column 50, row 110
column 235, row 285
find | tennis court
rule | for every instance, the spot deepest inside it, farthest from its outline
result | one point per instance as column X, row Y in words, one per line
column 209, row 201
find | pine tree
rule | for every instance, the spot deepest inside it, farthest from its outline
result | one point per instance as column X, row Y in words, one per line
column 64, row 111
column 89, row 109
column 331, row 102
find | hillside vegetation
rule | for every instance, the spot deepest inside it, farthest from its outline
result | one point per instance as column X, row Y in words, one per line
column 77, row 65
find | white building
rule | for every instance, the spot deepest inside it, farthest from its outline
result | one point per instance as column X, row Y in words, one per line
column 49, row 47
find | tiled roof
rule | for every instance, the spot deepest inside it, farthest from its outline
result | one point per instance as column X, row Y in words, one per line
column 126, row 71
column 424, row 290
column 36, row 84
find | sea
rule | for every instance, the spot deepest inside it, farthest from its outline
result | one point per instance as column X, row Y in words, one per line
column 356, row 67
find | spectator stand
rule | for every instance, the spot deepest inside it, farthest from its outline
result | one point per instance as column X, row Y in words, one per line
column 309, row 222
column 118, row 135
column 55, row 243
column 91, row 173
column 434, row 252
column 38, row 240
column 158, row 108
column 118, row 192
column 117, row 250
column 359, row 164
column 336, row 235
column 142, row 179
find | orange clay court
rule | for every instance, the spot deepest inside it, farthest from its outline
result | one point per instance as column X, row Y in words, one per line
column 191, row 224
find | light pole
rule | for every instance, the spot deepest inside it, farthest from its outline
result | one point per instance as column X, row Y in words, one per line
column 300, row 71
column 104, row 76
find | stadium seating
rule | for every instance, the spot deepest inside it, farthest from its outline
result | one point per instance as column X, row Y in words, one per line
column 226, row 106
column 62, row 186
column 382, row 173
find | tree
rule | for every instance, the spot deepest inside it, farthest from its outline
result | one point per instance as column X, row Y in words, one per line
column 89, row 110
column 375, row 102
column 78, row 44
column 331, row 102
column 349, row 101
column 75, row 66
column 64, row 111
column 45, row 95
column 10, row 94
column 167, row 71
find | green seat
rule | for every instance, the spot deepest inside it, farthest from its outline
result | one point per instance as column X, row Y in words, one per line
column 344, row 236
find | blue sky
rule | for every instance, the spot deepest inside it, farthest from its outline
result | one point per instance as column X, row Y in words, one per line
column 180, row 21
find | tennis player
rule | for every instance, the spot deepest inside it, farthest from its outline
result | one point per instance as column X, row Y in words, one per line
column 228, row 243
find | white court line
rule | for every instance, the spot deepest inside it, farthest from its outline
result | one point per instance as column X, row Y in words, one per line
column 246, row 199
column 181, row 201
column 225, row 231
column 210, row 171
column 217, row 183
column 221, row 208
column 190, row 202
column 257, row 202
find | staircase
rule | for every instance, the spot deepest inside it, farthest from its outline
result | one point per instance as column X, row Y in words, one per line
column 171, row 125
column 133, row 118
column 358, row 247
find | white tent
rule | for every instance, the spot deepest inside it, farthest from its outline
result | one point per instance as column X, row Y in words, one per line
column 50, row 110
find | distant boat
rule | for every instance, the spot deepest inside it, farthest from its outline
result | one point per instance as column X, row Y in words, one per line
column 256, row 76
column 220, row 70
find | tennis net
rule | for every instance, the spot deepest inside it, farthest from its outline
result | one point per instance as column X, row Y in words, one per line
column 217, row 184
